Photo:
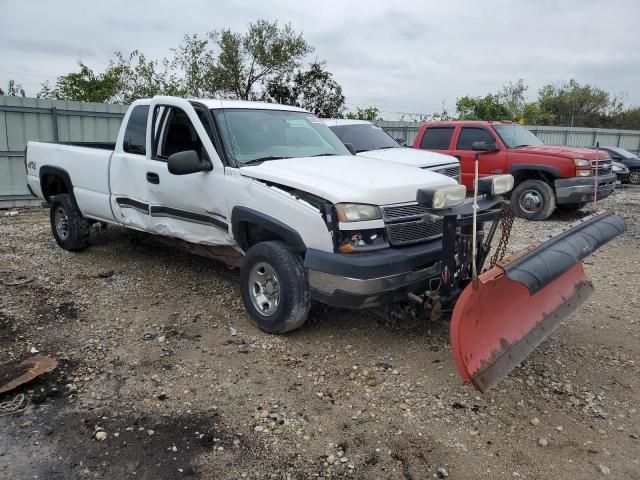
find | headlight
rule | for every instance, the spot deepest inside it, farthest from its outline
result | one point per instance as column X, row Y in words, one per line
column 362, row 241
column 443, row 197
column 583, row 173
column 495, row 184
column 581, row 162
column 357, row 212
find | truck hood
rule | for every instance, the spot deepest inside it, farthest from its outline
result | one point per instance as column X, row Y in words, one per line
column 563, row 151
column 409, row 156
column 348, row 178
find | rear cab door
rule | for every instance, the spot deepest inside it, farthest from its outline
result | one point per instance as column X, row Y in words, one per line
column 490, row 163
column 130, row 192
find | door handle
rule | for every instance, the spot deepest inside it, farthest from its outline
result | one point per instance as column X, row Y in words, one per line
column 153, row 178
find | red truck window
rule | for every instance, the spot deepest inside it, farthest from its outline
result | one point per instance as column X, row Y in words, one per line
column 468, row 135
column 437, row 138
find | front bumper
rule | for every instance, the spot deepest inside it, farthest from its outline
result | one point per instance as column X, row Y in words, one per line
column 581, row 189
column 366, row 280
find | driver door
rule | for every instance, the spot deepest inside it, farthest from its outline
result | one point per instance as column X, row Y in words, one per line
column 490, row 163
column 193, row 206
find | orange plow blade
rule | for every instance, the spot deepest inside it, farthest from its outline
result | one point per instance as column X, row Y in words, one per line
column 520, row 301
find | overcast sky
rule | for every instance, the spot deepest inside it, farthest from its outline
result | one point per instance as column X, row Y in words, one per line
column 400, row 56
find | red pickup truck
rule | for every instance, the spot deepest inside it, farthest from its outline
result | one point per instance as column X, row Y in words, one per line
column 545, row 176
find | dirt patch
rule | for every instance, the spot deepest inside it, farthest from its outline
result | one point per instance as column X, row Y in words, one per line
column 163, row 344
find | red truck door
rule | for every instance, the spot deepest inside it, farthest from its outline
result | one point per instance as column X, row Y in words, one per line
column 491, row 163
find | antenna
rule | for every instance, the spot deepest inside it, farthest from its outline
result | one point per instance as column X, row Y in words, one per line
column 474, row 269
column 595, row 186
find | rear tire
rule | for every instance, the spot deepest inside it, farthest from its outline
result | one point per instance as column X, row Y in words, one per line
column 274, row 287
column 70, row 229
column 533, row 200
column 634, row 177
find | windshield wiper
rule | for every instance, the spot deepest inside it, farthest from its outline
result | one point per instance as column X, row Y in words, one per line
column 523, row 145
column 324, row 155
column 263, row 159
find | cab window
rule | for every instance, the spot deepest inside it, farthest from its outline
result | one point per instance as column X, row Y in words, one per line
column 437, row 138
column 468, row 135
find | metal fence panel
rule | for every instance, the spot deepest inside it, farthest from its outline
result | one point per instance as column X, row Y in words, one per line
column 27, row 119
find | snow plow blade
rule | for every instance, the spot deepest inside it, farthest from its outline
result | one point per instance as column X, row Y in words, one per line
column 520, row 301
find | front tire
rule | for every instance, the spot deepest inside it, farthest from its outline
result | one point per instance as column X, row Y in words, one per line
column 274, row 287
column 634, row 177
column 70, row 229
column 533, row 200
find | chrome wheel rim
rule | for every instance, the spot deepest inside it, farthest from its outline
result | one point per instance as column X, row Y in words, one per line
column 634, row 177
column 530, row 201
column 264, row 288
column 61, row 220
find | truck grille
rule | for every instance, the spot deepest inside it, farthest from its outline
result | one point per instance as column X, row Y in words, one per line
column 405, row 224
column 604, row 167
column 452, row 171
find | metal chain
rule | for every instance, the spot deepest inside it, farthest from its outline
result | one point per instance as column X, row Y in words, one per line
column 19, row 403
column 507, row 217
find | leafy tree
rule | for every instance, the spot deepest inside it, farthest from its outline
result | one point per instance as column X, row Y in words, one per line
column 512, row 96
column 14, row 89
column 532, row 114
column 489, row 107
column 313, row 89
column 367, row 113
column 262, row 54
column 86, row 86
column 572, row 104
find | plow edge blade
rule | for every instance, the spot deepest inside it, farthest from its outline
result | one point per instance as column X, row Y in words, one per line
column 520, row 301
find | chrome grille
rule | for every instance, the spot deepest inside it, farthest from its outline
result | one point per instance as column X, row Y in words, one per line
column 452, row 171
column 604, row 167
column 413, row 232
column 405, row 224
column 400, row 212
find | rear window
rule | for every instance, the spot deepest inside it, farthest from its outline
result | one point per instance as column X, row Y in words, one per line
column 469, row 135
column 437, row 138
column 135, row 136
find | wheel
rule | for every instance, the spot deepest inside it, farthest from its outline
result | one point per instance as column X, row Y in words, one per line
column 634, row 176
column 533, row 200
column 69, row 227
column 571, row 207
column 274, row 287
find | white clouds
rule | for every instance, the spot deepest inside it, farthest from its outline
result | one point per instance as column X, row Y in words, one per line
column 405, row 56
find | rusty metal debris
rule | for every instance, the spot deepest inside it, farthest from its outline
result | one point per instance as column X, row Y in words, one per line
column 29, row 369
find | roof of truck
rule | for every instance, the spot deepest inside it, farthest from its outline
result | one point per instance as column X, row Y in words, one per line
column 224, row 103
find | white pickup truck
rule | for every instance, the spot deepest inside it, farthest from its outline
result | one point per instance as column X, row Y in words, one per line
column 308, row 219
column 366, row 139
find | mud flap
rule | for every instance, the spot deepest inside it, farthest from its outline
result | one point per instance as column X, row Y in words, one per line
column 520, row 301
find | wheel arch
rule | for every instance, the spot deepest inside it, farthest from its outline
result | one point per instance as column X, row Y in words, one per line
column 55, row 181
column 524, row 172
column 250, row 227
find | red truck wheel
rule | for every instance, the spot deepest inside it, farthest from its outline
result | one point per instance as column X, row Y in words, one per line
column 533, row 200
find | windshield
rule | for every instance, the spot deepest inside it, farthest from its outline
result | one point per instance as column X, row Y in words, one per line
column 622, row 152
column 365, row 137
column 258, row 135
column 515, row 136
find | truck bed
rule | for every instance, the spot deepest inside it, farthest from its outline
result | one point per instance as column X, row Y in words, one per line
column 87, row 166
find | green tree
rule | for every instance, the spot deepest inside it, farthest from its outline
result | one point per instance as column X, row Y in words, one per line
column 86, row 86
column 367, row 113
column 573, row 104
column 489, row 107
column 14, row 89
column 512, row 96
column 259, row 56
column 532, row 114
column 314, row 90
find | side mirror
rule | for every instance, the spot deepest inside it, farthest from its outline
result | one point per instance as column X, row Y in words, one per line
column 351, row 148
column 484, row 147
column 189, row 161
column 401, row 141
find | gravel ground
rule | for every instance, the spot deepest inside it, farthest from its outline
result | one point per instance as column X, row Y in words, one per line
column 161, row 375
